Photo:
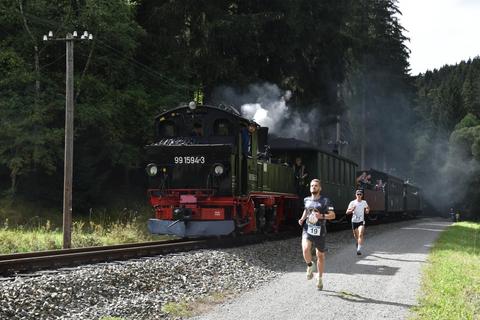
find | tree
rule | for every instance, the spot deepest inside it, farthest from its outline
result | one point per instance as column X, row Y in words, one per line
column 378, row 89
column 111, row 110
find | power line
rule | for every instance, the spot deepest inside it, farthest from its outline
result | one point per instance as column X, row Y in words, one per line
column 54, row 61
column 149, row 70
column 142, row 67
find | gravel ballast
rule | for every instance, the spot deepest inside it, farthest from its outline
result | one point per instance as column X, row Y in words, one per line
column 271, row 274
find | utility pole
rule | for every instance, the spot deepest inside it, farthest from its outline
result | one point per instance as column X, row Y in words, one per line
column 338, row 143
column 363, row 125
column 69, row 39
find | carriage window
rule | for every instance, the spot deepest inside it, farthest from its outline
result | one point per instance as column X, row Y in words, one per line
column 337, row 168
column 166, row 129
column 334, row 170
column 331, row 169
column 320, row 167
column 327, row 162
column 197, row 130
column 325, row 168
column 221, row 127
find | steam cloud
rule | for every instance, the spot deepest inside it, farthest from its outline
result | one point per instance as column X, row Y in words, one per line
column 266, row 104
column 448, row 176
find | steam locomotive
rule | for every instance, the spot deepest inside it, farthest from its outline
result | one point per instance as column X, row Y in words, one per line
column 212, row 172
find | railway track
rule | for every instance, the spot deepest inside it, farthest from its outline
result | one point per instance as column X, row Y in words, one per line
column 12, row 264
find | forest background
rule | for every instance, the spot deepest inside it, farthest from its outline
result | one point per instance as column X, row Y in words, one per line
column 342, row 60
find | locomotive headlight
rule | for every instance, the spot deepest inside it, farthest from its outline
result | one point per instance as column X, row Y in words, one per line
column 151, row 169
column 218, row 169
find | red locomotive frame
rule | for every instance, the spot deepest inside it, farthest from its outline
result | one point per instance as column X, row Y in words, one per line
column 244, row 212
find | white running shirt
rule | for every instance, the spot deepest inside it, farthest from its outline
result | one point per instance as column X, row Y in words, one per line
column 359, row 212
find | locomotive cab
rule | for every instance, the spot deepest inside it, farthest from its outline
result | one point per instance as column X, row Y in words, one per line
column 195, row 150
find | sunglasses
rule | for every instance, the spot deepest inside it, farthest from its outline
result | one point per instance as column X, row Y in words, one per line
column 359, row 194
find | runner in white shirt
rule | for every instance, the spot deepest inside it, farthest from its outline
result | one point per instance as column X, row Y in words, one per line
column 358, row 208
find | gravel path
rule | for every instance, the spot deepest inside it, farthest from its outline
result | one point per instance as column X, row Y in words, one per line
column 383, row 283
column 268, row 280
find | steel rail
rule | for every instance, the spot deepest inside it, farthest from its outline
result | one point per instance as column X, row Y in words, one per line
column 13, row 264
column 19, row 255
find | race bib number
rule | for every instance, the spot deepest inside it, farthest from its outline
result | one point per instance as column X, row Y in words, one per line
column 314, row 230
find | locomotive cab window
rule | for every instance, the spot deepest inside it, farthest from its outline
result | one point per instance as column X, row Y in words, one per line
column 167, row 129
column 222, row 127
column 197, row 130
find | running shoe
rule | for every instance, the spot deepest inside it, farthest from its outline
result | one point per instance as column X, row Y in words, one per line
column 309, row 272
column 359, row 252
column 319, row 283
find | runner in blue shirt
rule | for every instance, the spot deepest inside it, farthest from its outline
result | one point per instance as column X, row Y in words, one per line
column 318, row 209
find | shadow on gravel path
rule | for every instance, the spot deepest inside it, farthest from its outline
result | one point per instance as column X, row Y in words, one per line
column 356, row 298
column 394, row 259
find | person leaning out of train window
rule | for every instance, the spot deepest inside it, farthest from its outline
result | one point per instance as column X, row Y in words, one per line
column 364, row 180
column 368, row 181
column 301, row 175
column 246, row 133
column 380, row 186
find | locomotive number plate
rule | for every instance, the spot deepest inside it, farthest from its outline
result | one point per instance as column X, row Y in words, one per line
column 189, row 159
column 314, row 230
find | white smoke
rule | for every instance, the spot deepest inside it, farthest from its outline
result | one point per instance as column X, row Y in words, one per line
column 267, row 105
column 268, row 113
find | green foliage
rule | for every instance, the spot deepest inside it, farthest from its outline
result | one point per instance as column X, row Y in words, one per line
column 298, row 44
column 469, row 120
column 451, row 281
column 378, row 90
column 111, row 111
column 19, row 240
column 38, row 237
column 149, row 54
column 465, row 139
column 447, row 95
column 448, row 105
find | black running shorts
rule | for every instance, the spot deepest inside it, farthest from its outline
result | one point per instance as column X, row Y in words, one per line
column 355, row 225
column 317, row 241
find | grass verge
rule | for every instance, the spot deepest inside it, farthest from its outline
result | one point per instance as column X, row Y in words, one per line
column 451, row 281
column 200, row 306
column 27, row 227
column 84, row 234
